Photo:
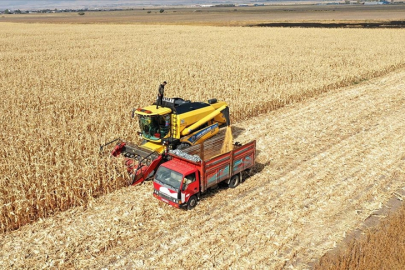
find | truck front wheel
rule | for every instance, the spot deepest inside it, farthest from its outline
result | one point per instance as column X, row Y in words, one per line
column 234, row 182
column 192, row 202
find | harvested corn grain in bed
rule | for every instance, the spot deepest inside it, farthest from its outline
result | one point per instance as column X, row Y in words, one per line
column 227, row 145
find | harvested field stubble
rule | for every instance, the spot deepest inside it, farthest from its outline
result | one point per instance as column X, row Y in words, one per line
column 68, row 88
column 324, row 165
column 381, row 247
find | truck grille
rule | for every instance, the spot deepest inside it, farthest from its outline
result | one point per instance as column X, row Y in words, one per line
column 164, row 196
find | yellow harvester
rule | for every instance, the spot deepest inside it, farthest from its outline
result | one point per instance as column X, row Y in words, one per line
column 176, row 124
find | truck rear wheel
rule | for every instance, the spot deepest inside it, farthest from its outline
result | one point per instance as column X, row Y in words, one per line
column 192, row 202
column 234, row 182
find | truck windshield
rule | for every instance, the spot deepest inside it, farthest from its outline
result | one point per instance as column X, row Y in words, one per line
column 169, row 177
column 154, row 127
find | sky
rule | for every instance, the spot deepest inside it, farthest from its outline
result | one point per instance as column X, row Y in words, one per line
column 76, row 4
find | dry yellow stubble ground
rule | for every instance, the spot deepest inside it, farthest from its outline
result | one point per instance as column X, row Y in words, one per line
column 67, row 88
column 377, row 248
column 324, row 166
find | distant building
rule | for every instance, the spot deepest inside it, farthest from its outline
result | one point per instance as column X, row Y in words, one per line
column 376, row 3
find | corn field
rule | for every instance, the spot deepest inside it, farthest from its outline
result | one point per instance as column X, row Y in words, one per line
column 66, row 89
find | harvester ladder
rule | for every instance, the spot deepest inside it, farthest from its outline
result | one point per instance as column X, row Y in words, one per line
column 174, row 125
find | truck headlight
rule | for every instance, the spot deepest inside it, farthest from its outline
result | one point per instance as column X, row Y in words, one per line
column 176, row 201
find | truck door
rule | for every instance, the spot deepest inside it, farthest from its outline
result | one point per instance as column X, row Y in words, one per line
column 190, row 186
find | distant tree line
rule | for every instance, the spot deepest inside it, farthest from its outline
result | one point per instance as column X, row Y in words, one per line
column 8, row 11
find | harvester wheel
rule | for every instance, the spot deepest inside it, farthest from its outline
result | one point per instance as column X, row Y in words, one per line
column 192, row 202
column 235, row 180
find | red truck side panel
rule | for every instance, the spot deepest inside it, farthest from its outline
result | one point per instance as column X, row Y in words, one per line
column 244, row 157
column 226, row 165
column 216, row 170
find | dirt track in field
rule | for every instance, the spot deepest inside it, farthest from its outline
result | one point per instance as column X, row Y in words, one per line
column 325, row 165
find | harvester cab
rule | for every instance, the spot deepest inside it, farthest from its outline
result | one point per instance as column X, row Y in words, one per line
column 176, row 124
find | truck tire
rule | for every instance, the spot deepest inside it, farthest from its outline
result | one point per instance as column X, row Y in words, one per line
column 192, row 202
column 234, row 182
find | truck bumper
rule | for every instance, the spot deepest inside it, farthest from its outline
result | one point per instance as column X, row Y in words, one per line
column 167, row 201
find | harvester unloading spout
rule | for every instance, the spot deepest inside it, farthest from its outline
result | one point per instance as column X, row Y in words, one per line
column 224, row 110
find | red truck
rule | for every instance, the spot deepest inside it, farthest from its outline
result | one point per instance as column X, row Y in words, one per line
column 181, row 180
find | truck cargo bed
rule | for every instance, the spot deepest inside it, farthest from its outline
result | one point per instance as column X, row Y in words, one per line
column 215, row 166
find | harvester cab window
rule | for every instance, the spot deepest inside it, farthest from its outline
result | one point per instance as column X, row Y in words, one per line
column 164, row 125
column 154, row 127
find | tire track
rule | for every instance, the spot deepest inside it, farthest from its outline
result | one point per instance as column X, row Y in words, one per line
column 331, row 161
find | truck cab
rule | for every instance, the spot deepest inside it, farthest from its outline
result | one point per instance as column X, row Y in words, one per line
column 177, row 183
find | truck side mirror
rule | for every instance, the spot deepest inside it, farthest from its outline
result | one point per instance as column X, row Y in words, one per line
column 185, row 184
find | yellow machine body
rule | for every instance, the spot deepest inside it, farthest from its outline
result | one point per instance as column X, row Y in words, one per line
column 180, row 122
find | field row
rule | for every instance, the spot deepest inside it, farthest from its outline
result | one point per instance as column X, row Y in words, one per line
column 68, row 88
column 324, row 166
